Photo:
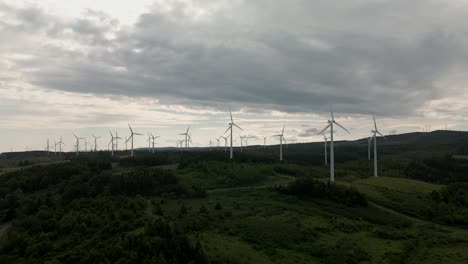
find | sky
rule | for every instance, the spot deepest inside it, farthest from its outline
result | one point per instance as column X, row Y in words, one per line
column 85, row 67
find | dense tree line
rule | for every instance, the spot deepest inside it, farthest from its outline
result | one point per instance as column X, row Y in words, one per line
column 441, row 170
column 449, row 205
column 310, row 188
column 82, row 212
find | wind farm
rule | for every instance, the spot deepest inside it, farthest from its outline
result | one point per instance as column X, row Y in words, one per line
column 212, row 132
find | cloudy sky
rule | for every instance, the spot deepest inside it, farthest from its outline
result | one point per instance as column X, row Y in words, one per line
column 89, row 66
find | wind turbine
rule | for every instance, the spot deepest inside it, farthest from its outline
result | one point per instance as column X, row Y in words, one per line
column 332, row 155
column 225, row 142
column 281, row 137
column 117, row 141
column 374, row 138
column 149, row 142
column 111, row 142
column 264, row 142
column 231, row 124
column 47, row 147
column 95, row 142
column 153, row 138
column 55, row 148
column 60, row 146
column 242, row 141
column 179, row 144
column 126, row 143
column 77, row 143
column 210, row 144
column 186, row 134
column 218, row 142
column 131, row 137
column 325, row 139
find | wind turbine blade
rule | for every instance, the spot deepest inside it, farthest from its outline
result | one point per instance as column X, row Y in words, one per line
column 227, row 129
column 342, row 127
column 323, row 130
column 111, row 133
column 138, row 134
column 331, row 112
column 282, row 132
column 230, row 113
column 131, row 130
column 237, row 126
column 378, row 132
column 188, row 128
column 375, row 124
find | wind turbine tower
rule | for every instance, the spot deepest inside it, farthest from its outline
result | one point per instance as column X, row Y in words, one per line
column 325, row 140
column 374, row 138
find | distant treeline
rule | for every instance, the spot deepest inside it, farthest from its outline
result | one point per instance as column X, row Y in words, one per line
column 310, row 188
column 442, row 170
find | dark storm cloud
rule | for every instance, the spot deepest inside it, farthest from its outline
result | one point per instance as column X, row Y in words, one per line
column 361, row 56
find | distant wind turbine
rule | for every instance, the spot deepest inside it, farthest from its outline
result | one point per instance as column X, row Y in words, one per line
column 225, row 142
column 95, row 142
column 231, row 124
column 186, row 134
column 218, row 139
column 281, row 137
column 325, row 140
column 77, row 144
column 153, row 138
column 111, row 142
column 47, row 148
column 332, row 155
column 132, row 134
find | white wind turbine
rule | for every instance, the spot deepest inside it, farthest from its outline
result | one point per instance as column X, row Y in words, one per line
column 131, row 137
column 60, row 146
column 95, row 142
column 47, row 148
column 111, row 142
column 264, row 142
column 117, row 141
column 218, row 139
column 186, row 134
column 179, row 144
column 242, row 142
column 374, row 139
column 55, row 148
column 281, row 137
column 231, row 124
column 210, row 144
column 153, row 138
column 149, row 142
column 332, row 155
column 225, row 142
column 77, row 143
column 325, row 140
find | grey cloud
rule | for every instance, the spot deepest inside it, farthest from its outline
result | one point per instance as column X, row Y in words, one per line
column 308, row 132
column 361, row 58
